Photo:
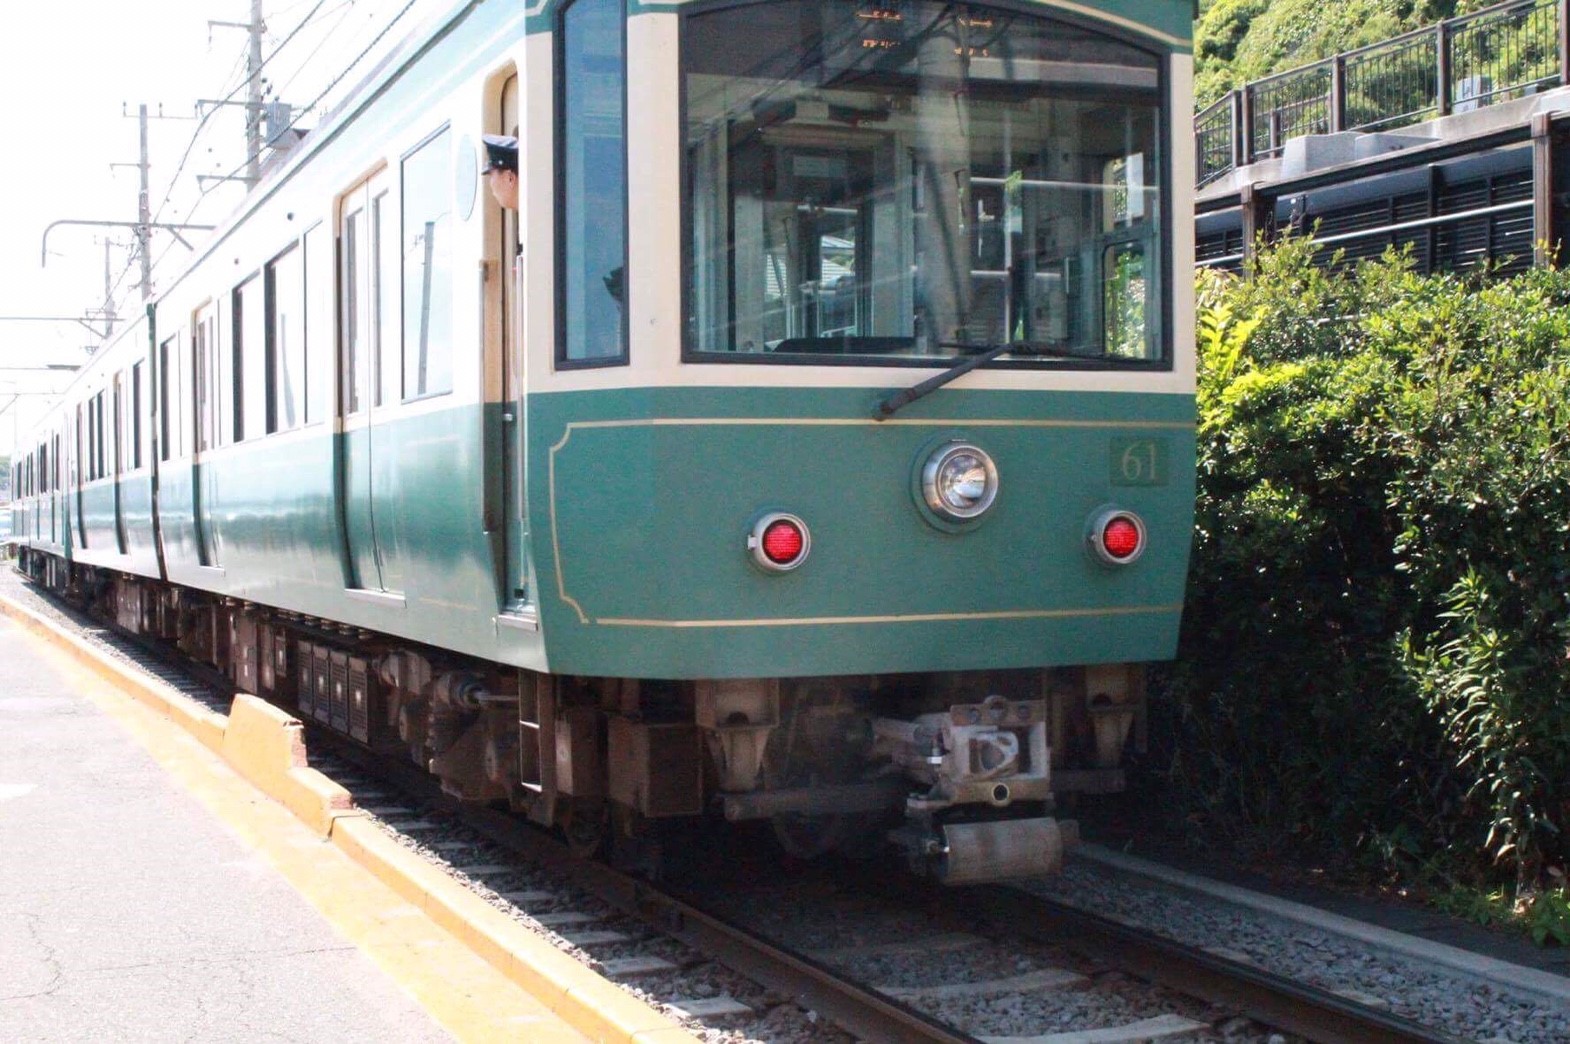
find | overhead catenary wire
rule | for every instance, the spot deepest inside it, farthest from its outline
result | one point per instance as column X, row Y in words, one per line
column 201, row 127
column 326, row 38
column 202, row 123
column 348, row 68
column 313, row 16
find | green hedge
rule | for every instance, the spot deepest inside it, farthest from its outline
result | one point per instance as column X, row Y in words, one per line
column 1376, row 647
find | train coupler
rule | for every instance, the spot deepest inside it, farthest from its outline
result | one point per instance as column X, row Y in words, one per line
column 988, row 850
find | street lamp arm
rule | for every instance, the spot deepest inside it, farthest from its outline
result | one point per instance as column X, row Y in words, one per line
column 43, row 259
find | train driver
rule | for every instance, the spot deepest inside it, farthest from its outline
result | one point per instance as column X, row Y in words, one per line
column 501, row 168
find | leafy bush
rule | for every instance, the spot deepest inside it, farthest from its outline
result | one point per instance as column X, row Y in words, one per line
column 1376, row 647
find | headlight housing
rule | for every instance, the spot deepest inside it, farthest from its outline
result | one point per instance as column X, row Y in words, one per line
column 959, row 482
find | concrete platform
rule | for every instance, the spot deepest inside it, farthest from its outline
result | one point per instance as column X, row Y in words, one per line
column 148, row 893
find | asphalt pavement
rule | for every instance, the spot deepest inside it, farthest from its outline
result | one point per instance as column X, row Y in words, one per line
column 129, row 913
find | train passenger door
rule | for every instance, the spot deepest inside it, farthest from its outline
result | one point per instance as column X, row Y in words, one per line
column 368, row 238
column 79, row 478
column 55, row 478
column 208, row 373
column 118, row 463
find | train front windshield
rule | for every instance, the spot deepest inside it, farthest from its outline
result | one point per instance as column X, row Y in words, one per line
column 917, row 180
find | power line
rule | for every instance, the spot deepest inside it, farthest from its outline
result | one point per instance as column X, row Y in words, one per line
column 377, row 39
column 360, row 57
column 201, row 126
column 197, row 132
column 344, row 8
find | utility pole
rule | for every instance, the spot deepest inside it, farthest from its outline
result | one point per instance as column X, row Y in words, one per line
column 253, row 94
column 109, row 316
column 143, row 229
column 144, row 211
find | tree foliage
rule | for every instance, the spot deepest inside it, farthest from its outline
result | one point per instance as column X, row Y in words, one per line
column 1376, row 646
column 1240, row 40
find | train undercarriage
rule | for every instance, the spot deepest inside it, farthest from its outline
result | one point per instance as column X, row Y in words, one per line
column 960, row 771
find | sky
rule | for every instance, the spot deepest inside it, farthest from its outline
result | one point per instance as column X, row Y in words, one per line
column 72, row 73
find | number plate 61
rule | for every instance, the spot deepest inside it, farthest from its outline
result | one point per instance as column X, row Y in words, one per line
column 1139, row 462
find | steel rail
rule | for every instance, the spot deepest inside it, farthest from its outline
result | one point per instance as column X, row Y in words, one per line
column 855, row 1008
column 1273, row 1000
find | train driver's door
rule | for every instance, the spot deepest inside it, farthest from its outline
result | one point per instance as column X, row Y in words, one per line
column 507, row 517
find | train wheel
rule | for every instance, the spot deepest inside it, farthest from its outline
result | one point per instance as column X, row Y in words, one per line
column 585, row 825
column 808, row 837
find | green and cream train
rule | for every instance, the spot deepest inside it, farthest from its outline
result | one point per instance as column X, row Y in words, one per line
column 814, row 444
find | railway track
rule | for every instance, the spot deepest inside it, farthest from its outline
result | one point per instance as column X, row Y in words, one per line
column 870, row 1013
column 1273, row 1000
column 1070, row 950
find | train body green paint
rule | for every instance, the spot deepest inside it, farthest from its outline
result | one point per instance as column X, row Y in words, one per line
column 643, row 503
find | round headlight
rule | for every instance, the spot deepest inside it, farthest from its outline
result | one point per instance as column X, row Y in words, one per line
column 960, row 482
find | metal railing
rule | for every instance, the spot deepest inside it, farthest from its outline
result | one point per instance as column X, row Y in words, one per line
column 1499, row 53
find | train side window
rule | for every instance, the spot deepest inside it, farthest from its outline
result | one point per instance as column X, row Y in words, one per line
column 384, row 298
column 317, row 364
column 92, row 440
column 354, row 311
column 226, row 389
column 117, row 451
column 427, row 268
column 285, row 294
column 136, row 416
column 592, row 148
column 250, row 359
column 101, row 456
column 80, row 458
column 168, row 396
column 205, row 379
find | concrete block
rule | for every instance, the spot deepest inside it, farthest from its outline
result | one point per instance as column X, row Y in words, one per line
column 1377, row 144
column 589, row 1002
column 262, row 742
column 1314, row 151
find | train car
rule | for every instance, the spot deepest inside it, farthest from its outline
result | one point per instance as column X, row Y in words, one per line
column 39, row 480
column 89, row 476
column 813, row 443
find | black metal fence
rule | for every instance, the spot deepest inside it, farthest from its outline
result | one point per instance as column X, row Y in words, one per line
column 1503, row 52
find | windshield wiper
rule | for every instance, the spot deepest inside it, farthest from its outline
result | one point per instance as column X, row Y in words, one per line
column 900, row 399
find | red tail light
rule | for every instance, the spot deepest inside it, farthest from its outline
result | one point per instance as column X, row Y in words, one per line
column 1116, row 537
column 1120, row 538
column 783, row 542
column 779, row 542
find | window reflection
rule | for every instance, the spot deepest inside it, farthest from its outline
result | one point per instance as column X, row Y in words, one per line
column 919, row 180
column 427, row 270
column 594, row 176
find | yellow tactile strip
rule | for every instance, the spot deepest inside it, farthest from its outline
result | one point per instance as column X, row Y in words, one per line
column 266, row 746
